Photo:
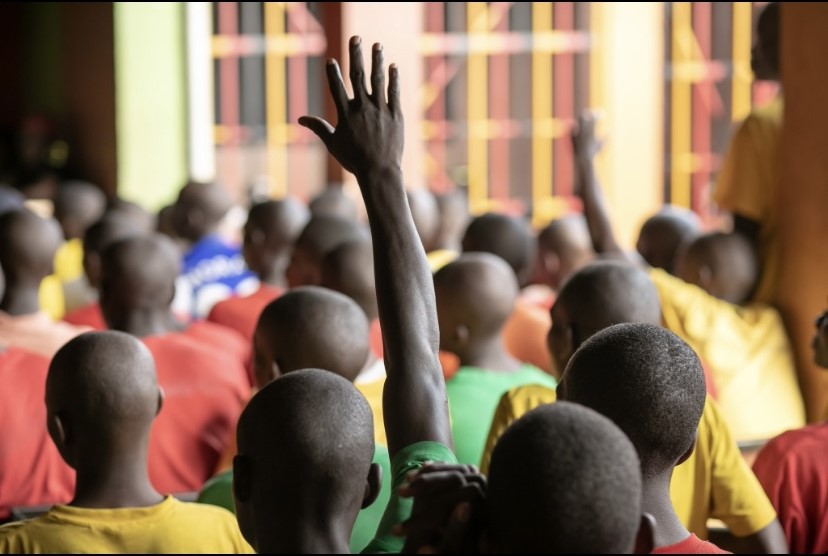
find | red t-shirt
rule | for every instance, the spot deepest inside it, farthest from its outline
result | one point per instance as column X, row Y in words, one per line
column 31, row 469
column 242, row 313
column 89, row 315
column 205, row 389
column 690, row 545
column 227, row 341
column 793, row 471
column 375, row 338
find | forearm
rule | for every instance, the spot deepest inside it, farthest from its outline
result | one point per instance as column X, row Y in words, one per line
column 595, row 210
column 414, row 396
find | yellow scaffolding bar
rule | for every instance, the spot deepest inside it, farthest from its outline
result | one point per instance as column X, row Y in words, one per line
column 742, row 77
column 276, row 100
column 541, row 112
column 477, row 14
column 681, row 112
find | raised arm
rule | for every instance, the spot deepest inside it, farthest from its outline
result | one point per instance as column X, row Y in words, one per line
column 585, row 146
column 368, row 142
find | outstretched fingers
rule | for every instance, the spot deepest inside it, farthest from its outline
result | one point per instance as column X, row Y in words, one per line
column 357, row 70
column 340, row 97
column 377, row 75
column 394, row 90
column 320, row 127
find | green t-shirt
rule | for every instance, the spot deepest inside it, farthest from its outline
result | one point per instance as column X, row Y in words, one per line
column 473, row 396
column 218, row 491
column 398, row 510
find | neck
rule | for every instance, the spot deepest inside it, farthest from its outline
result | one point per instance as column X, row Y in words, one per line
column 115, row 480
column 656, row 501
column 21, row 299
column 275, row 274
column 488, row 354
column 148, row 322
column 314, row 535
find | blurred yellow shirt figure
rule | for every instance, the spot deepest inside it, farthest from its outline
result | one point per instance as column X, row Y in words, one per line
column 747, row 352
column 715, row 482
column 69, row 261
column 51, row 297
column 747, row 185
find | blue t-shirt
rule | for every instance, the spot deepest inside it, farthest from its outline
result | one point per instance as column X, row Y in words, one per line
column 212, row 270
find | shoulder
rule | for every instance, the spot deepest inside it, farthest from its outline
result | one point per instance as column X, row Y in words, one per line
column 525, row 398
column 809, row 442
column 21, row 537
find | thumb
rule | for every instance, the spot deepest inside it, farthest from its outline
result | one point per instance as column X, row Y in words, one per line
column 320, row 127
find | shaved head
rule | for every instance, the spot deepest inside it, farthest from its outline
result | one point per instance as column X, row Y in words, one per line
column 567, row 461
column 305, row 446
column 454, row 219
column 199, row 209
column 28, row 246
column 310, row 327
column 724, row 265
column 322, row 235
column 564, row 246
column 137, row 275
column 508, row 237
column 349, row 269
column 102, row 387
column 426, row 216
column 138, row 215
column 110, row 229
column 78, row 205
column 476, row 293
column 599, row 295
column 333, row 202
column 664, row 233
column 10, row 198
column 271, row 229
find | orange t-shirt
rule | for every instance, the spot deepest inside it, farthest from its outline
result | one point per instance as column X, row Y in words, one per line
column 205, row 389
column 89, row 315
column 242, row 313
column 31, row 469
column 375, row 339
column 524, row 335
column 226, row 340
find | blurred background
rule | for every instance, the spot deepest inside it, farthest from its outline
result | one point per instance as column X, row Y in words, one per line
column 139, row 97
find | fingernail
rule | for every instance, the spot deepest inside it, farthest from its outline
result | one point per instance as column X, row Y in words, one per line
column 355, row 40
column 331, row 61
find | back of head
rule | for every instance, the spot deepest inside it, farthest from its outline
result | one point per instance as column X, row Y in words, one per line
column 271, row 229
column 665, row 233
column 305, row 445
column 102, row 386
column 332, row 201
column 765, row 56
column 508, row 237
column 349, row 269
column 724, row 265
column 649, row 382
column 10, row 198
column 319, row 237
column 199, row 209
column 564, row 479
column 78, row 205
column 138, row 216
column 476, row 291
column 28, row 244
column 137, row 275
column 112, row 228
column 310, row 327
column 454, row 219
column 426, row 216
column 564, row 245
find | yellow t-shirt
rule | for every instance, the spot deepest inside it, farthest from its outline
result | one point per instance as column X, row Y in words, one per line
column 51, row 297
column 747, row 184
column 440, row 258
column 169, row 527
column 373, row 394
column 69, row 261
column 715, row 482
column 747, row 352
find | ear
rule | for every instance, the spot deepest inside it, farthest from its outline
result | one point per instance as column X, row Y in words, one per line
column 160, row 400
column 242, row 478
column 705, row 277
column 551, row 262
column 689, row 451
column 62, row 436
column 645, row 540
column 372, row 487
column 461, row 334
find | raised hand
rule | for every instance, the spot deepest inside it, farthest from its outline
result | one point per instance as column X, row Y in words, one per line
column 584, row 143
column 369, row 130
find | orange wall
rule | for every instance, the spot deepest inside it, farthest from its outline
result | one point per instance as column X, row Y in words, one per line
column 803, row 199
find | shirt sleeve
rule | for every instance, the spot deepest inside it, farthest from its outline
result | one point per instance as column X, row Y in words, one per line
column 739, row 186
column 408, row 459
column 737, row 497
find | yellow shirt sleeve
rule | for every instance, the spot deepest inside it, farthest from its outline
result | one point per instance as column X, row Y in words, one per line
column 513, row 405
column 716, row 482
column 69, row 261
column 51, row 297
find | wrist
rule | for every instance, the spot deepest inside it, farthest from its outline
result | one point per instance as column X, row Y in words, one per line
column 384, row 173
